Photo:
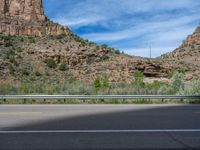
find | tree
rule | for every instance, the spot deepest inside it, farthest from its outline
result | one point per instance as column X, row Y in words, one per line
column 101, row 82
column 97, row 83
column 138, row 79
column 191, row 88
column 105, row 82
column 177, row 81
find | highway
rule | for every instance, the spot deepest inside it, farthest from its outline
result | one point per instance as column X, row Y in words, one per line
column 97, row 127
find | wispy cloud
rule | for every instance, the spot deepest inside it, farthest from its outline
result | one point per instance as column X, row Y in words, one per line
column 77, row 22
column 145, row 29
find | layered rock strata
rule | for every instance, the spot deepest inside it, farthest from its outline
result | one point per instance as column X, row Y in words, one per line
column 26, row 17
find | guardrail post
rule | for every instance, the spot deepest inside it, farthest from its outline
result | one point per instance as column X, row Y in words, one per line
column 44, row 100
column 64, row 100
column 4, row 100
column 24, row 101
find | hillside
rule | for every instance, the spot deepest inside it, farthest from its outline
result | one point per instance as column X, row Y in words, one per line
column 34, row 48
column 188, row 54
column 69, row 56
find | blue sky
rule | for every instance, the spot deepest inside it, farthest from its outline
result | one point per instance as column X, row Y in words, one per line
column 129, row 25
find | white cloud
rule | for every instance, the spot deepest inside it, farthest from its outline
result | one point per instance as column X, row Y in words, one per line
column 140, row 29
column 77, row 22
column 163, row 23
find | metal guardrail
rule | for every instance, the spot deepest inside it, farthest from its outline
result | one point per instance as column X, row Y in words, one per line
column 95, row 97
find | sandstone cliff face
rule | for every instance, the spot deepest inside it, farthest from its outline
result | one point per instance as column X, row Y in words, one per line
column 188, row 52
column 26, row 17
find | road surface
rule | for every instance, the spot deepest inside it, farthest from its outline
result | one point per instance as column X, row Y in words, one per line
column 95, row 127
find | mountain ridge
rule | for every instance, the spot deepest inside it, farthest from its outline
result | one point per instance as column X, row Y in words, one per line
column 34, row 48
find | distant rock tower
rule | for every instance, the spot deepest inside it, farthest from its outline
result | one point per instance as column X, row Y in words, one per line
column 25, row 9
column 26, row 17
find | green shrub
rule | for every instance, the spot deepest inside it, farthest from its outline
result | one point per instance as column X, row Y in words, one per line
column 105, row 82
column 23, row 88
column 37, row 73
column 63, row 67
column 175, row 85
column 25, row 72
column 8, row 42
column 104, row 57
column 89, row 61
column 117, row 51
column 171, row 73
column 13, row 61
column 50, row 63
column 138, row 80
column 31, row 39
column 19, row 49
column 104, row 46
column 166, row 90
column 101, row 82
column 59, row 37
column 177, row 81
column 97, row 83
column 191, row 88
column 7, row 53
column 11, row 69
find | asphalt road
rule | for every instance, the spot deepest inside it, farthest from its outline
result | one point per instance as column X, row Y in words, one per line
column 95, row 127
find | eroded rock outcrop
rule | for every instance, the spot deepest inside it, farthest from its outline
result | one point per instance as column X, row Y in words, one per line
column 188, row 52
column 26, row 17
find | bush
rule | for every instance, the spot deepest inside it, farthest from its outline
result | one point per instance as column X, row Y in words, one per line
column 25, row 72
column 50, row 63
column 105, row 82
column 31, row 39
column 63, row 67
column 104, row 46
column 37, row 73
column 97, row 83
column 101, row 82
column 177, row 81
column 104, row 57
column 117, row 52
column 13, row 61
column 7, row 53
column 11, row 69
column 19, row 49
column 8, row 42
column 138, row 80
column 166, row 90
column 191, row 88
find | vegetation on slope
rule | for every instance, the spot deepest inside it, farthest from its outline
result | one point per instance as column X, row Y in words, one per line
column 102, row 86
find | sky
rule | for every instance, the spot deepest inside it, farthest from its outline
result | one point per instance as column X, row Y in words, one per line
column 132, row 26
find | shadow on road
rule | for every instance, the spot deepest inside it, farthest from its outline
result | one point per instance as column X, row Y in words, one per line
column 169, row 117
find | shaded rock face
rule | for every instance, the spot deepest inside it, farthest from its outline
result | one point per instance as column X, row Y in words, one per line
column 26, row 17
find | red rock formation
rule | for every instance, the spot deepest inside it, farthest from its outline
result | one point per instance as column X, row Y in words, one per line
column 188, row 52
column 26, row 17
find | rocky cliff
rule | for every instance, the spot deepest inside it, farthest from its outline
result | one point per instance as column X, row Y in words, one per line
column 188, row 52
column 26, row 17
column 64, row 55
